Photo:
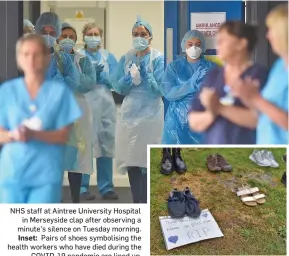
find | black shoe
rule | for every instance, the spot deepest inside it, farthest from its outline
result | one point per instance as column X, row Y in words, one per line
column 284, row 179
column 110, row 195
column 193, row 209
column 167, row 162
column 176, row 204
column 87, row 196
column 178, row 162
column 284, row 158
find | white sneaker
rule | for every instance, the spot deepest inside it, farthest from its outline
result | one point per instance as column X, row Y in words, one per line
column 259, row 158
column 269, row 155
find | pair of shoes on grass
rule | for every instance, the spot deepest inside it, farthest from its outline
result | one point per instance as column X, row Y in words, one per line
column 264, row 158
column 172, row 161
column 182, row 203
column 251, row 196
column 217, row 163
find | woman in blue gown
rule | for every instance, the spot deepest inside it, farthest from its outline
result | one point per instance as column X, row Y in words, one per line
column 103, row 108
column 181, row 81
column 61, row 67
column 35, row 118
column 138, row 76
column 78, row 151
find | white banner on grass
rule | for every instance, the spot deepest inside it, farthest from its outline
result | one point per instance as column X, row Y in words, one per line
column 179, row 232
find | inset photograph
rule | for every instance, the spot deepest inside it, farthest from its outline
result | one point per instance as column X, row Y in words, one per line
column 218, row 201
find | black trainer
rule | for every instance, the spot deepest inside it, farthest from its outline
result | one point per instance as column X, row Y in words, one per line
column 87, row 196
column 110, row 195
column 176, row 204
column 179, row 164
column 167, row 162
column 193, row 209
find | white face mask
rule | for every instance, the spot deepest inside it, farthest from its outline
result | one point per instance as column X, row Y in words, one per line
column 194, row 52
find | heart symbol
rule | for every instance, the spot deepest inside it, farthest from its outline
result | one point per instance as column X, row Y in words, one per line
column 205, row 215
column 173, row 239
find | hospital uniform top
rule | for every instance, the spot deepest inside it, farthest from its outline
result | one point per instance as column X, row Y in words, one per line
column 276, row 92
column 223, row 131
column 34, row 163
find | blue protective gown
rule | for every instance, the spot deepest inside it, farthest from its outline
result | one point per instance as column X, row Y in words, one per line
column 103, row 108
column 78, row 157
column 32, row 172
column 102, row 105
column 276, row 92
column 62, row 69
column 141, row 117
column 181, row 82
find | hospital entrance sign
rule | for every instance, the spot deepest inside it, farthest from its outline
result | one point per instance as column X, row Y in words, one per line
column 208, row 23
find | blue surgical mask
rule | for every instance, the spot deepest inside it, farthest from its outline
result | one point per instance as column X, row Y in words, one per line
column 50, row 40
column 67, row 45
column 92, row 41
column 140, row 43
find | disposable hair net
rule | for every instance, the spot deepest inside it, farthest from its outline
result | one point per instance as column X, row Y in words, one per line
column 181, row 82
column 141, row 22
column 48, row 19
column 193, row 34
column 67, row 25
column 27, row 23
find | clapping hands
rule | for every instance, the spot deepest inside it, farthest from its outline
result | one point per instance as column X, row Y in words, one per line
column 98, row 67
column 22, row 134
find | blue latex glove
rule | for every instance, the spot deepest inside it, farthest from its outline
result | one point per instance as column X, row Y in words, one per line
column 143, row 72
column 58, row 77
column 126, row 79
column 98, row 67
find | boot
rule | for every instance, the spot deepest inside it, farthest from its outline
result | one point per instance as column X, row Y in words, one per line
column 284, row 179
column 167, row 162
column 178, row 162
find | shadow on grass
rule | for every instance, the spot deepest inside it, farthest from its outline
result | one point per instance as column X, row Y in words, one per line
column 259, row 230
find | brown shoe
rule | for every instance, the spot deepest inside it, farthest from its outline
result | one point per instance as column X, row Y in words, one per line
column 212, row 163
column 225, row 166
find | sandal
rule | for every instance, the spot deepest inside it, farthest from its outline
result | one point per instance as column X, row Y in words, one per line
column 245, row 195
column 193, row 209
column 260, row 198
column 176, row 204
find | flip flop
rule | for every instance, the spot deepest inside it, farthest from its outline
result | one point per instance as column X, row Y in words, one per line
column 245, row 195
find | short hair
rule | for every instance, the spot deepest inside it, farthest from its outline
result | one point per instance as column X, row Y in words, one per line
column 277, row 20
column 31, row 38
column 91, row 25
column 242, row 30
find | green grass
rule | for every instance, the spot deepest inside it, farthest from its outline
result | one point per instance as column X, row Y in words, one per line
column 259, row 230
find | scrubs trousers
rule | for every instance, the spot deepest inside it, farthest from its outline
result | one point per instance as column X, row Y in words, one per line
column 103, row 176
column 138, row 184
column 48, row 194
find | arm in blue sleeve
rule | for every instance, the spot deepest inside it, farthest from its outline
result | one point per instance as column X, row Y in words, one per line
column 68, row 111
column 112, row 62
column 208, row 81
column 174, row 89
column 71, row 74
column 121, row 82
column 155, row 78
column 87, row 77
column 105, row 77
